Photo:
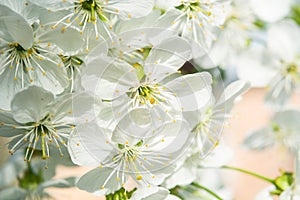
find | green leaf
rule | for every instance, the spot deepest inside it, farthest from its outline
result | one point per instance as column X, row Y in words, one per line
column 296, row 14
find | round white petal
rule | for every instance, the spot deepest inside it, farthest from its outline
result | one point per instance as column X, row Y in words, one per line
column 52, row 78
column 75, row 108
column 68, row 42
column 146, row 193
column 192, row 90
column 253, row 66
column 260, row 139
column 31, row 104
column 128, row 9
column 78, row 152
column 15, row 28
column 95, row 179
column 6, row 118
column 94, row 141
column 8, row 87
column 283, row 40
column 231, row 93
column 271, row 10
column 167, row 57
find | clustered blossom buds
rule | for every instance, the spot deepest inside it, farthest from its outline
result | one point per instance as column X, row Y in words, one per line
column 111, row 84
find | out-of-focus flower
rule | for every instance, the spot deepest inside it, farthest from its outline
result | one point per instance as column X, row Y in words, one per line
column 235, row 35
column 271, row 10
column 253, row 66
column 277, row 65
column 292, row 193
column 208, row 122
column 283, row 130
column 192, row 169
column 31, row 180
column 196, row 19
column 286, row 50
column 38, row 120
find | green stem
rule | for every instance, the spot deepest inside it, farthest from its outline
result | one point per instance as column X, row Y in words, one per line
column 250, row 173
column 175, row 192
column 206, row 189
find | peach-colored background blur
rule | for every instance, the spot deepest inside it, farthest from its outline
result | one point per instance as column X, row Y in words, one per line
column 248, row 114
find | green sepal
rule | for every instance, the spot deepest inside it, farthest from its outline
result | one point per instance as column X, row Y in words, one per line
column 121, row 194
column 140, row 143
column 121, row 146
column 259, row 24
column 284, row 181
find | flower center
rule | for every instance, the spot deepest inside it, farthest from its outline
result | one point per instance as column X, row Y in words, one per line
column 88, row 5
column 72, row 64
column 22, row 62
column 89, row 10
column 15, row 50
column 18, row 47
column 204, row 125
column 145, row 94
column 190, row 7
column 292, row 71
column 19, row 60
column 41, row 134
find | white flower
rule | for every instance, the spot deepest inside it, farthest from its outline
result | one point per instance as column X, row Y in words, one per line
column 146, row 159
column 206, row 128
column 149, row 85
column 210, row 120
column 28, row 57
column 196, row 19
column 235, row 35
column 38, row 120
column 97, row 14
column 283, row 43
column 277, row 65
